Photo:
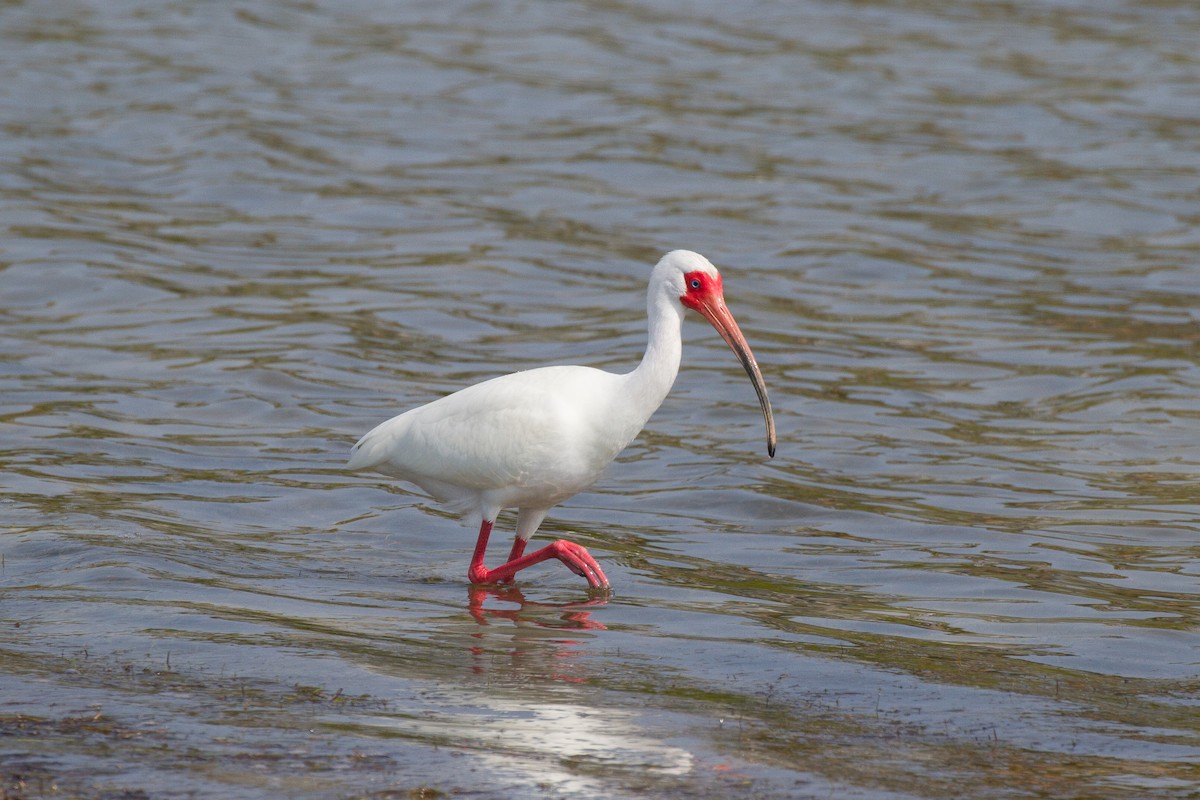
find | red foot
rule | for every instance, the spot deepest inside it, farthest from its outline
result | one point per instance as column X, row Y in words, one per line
column 576, row 557
column 578, row 560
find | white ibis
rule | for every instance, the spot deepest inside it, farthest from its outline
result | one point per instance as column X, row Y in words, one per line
column 532, row 439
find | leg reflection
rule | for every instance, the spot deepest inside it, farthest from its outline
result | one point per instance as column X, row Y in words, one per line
column 572, row 615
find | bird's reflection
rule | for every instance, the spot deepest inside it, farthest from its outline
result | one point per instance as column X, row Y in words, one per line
column 571, row 616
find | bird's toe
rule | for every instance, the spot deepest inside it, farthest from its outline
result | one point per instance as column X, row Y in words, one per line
column 580, row 561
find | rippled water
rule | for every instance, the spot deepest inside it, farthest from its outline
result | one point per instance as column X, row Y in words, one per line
column 961, row 237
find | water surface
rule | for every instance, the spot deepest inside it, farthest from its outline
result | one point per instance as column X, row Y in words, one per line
column 961, row 238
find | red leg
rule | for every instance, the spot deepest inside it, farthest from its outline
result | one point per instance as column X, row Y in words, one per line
column 518, row 549
column 478, row 573
column 576, row 557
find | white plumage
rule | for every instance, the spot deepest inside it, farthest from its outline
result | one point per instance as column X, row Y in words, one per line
column 532, row 439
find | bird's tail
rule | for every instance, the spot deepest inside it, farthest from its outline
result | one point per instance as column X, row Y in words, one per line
column 369, row 451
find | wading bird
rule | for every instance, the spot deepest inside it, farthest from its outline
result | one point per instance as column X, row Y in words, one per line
column 532, row 439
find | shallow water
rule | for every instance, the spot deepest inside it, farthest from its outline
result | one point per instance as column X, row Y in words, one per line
column 961, row 238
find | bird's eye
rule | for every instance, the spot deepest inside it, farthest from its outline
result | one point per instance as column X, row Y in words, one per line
column 695, row 283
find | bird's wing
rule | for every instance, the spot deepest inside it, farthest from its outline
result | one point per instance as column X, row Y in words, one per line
column 506, row 432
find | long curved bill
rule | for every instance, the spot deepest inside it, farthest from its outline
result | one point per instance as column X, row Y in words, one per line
column 713, row 309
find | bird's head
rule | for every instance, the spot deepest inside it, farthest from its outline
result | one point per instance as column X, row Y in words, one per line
column 682, row 273
column 696, row 282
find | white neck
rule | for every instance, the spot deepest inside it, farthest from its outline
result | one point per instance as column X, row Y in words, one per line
column 648, row 385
